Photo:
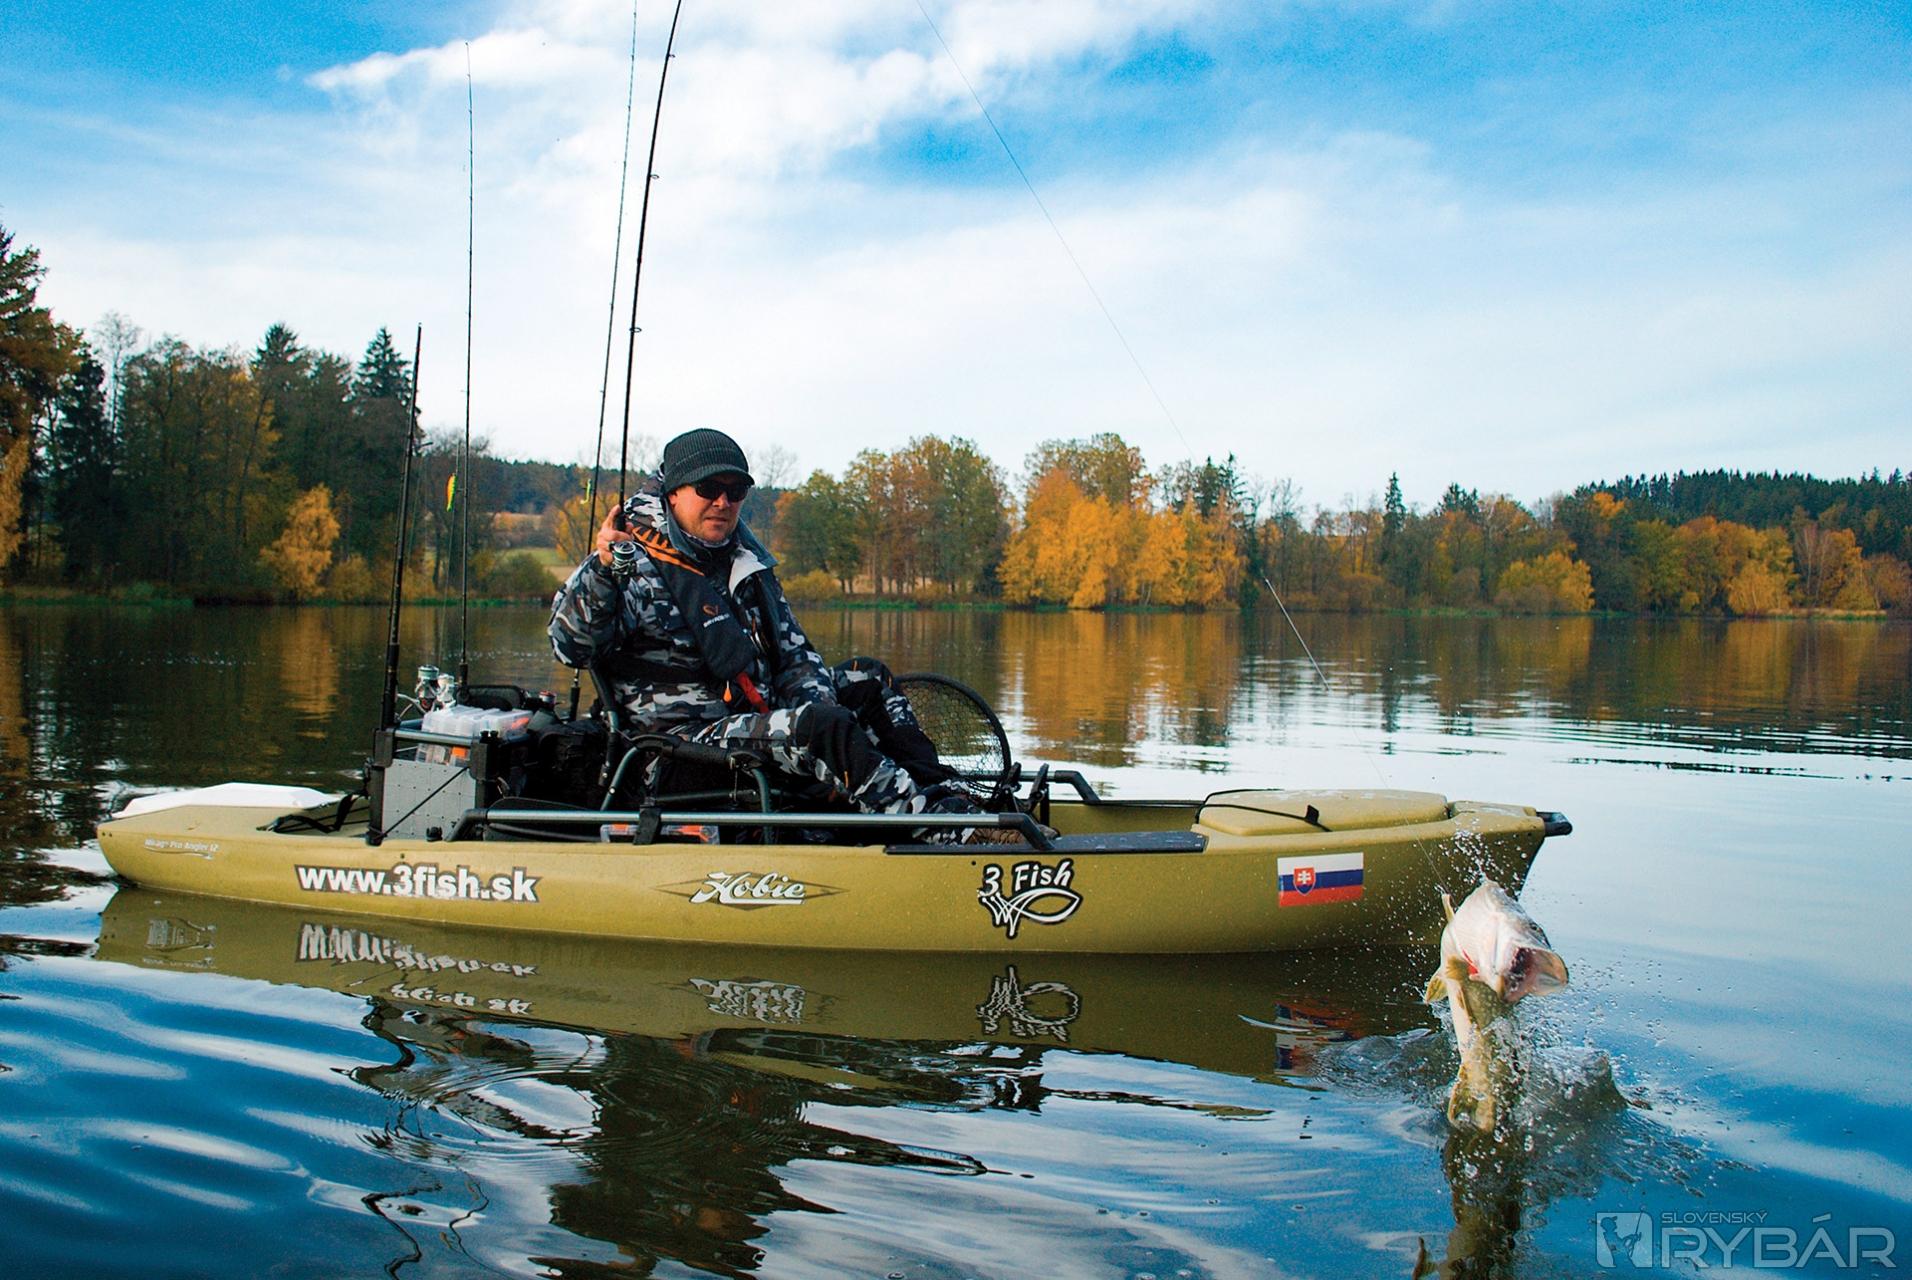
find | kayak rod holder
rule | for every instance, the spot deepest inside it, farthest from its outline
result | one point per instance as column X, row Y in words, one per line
column 1031, row 831
column 435, row 739
column 1081, row 784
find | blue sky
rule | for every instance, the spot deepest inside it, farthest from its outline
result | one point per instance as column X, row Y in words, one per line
column 1515, row 245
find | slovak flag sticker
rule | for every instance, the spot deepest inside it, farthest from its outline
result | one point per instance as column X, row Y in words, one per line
column 1319, row 878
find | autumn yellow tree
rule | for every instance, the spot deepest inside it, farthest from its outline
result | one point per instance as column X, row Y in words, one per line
column 35, row 353
column 14, row 459
column 1755, row 590
column 1831, row 568
column 1095, row 546
column 1551, row 583
column 1086, row 550
column 567, row 524
column 1069, row 549
column 1161, row 572
column 1712, row 551
column 1187, row 560
column 1891, row 582
column 1762, row 582
column 300, row 555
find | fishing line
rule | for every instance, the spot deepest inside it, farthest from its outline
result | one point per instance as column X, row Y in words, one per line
column 1167, row 413
column 1326, row 686
column 1060, row 238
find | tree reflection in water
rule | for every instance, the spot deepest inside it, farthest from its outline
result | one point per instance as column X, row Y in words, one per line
column 1119, row 689
column 97, row 702
column 44, row 800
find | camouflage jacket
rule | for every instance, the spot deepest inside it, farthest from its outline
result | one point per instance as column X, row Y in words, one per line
column 640, row 641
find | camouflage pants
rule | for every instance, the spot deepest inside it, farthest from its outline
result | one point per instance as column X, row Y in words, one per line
column 867, row 750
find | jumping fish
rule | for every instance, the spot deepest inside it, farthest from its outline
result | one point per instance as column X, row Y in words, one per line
column 1493, row 955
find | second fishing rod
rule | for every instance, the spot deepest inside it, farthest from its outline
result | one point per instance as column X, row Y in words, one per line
column 624, row 553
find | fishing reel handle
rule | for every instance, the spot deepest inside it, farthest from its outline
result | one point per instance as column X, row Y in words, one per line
column 623, row 554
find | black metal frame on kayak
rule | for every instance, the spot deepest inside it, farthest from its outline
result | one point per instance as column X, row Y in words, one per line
column 648, row 820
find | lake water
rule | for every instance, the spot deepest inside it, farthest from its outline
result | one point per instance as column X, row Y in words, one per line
column 196, row 1088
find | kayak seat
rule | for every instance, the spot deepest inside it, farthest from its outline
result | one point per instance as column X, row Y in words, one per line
column 1275, row 813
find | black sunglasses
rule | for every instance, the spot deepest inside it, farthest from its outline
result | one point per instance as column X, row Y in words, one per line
column 708, row 490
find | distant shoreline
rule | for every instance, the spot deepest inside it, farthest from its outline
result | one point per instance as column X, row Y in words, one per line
column 143, row 597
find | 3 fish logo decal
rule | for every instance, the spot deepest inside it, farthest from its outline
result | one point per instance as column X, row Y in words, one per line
column 1036, row 892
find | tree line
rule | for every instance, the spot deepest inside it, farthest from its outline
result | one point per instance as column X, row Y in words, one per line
column 226, row 473
column 1091, row 526
column 276, row 472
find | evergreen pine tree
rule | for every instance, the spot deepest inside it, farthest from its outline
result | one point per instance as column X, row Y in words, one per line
column 1393, row 518
column 371, row 464
column 383, row 373
column 85, row 497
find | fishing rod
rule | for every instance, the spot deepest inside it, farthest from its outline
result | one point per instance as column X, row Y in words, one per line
column 610, row 320
column 637, row 270
column 388, row 714
column 617, row 257
column 464, row 509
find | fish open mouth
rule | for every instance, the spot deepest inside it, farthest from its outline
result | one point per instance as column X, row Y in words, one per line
column 1535, row 971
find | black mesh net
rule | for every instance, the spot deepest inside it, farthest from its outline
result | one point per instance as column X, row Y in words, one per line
column 968, row 737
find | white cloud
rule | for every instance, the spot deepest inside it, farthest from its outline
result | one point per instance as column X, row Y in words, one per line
column 523, row 58
column 1331, row 309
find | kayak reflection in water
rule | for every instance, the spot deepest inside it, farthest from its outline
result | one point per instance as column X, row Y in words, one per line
column 680, row 1158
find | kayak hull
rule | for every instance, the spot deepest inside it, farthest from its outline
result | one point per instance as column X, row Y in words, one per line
column 1271, row 871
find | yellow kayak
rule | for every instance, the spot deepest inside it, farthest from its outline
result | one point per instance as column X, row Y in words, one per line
column 1240, row 871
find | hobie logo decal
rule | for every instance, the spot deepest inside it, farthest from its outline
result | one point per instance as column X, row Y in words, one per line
column 1319, row 878
column 767, row 1002
column 1036, row 893
column 749, row 890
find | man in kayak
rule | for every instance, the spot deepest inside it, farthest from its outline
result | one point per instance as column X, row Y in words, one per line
column 680, row 615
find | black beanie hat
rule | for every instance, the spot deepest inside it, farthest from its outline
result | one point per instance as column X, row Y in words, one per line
column 700, row 454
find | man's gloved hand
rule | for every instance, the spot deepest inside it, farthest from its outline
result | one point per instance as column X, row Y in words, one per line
column 832, row 735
